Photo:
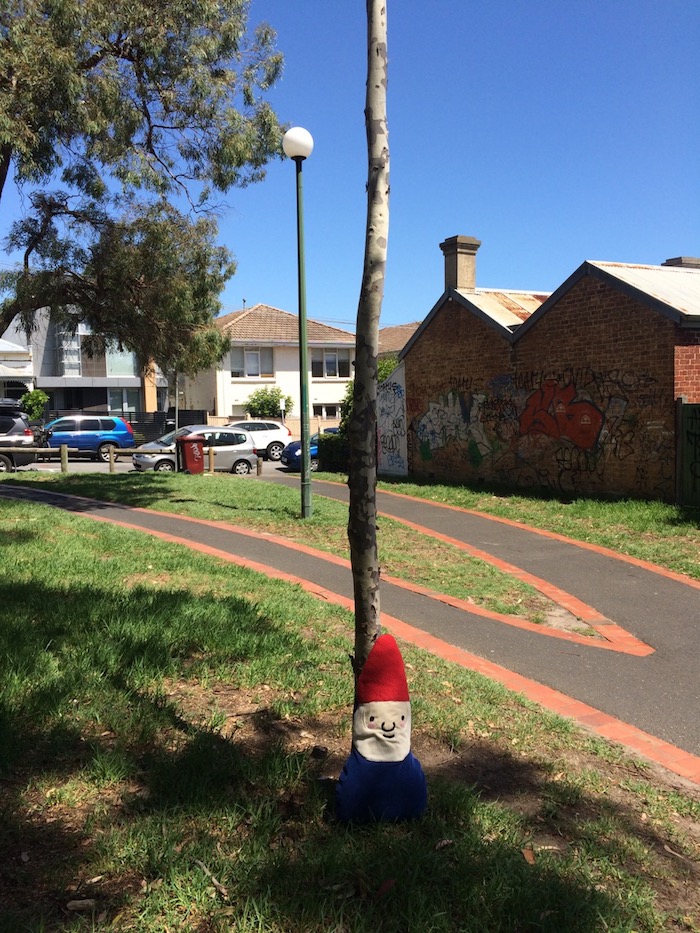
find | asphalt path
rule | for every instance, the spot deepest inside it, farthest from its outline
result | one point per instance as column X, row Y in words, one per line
column 658, row 694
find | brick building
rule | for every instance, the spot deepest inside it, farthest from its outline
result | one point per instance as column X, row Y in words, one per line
column 574, row 391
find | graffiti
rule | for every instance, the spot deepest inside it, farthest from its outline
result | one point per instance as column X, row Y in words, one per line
column 593, row 382
column 578, row 428
column 461, row 383
column 444, row 421
column 554, row 411
column 391, row 425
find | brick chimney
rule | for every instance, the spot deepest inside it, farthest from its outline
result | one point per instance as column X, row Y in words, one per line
column 685, row 262
column 460, row 262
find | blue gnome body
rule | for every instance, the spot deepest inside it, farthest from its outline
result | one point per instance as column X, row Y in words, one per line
column 381, row 780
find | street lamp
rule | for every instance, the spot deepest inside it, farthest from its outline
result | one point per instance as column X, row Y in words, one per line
column 298, row 145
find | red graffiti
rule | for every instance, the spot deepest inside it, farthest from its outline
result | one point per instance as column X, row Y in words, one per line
column 553, row 411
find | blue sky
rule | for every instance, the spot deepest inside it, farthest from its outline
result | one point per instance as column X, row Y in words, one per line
column 553, row 131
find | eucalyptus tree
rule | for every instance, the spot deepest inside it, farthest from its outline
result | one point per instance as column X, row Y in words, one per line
column 128, row 107
column 362, row 425
column 161, row 94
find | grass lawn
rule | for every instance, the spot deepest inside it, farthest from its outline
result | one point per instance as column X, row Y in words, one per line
column 170, row 728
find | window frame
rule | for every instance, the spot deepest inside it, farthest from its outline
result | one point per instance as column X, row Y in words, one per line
column 265, row 360
column 330, row 358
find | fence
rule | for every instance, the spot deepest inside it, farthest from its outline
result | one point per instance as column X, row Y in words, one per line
column 147, row 425
column 62, row 452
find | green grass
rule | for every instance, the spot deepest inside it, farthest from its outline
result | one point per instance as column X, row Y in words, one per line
column 168, row 723
column 665, row 534
column 274, row 509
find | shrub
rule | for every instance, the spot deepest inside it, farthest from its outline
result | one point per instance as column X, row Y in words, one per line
column 34, row 403
column 333, row 453
column 265, row 403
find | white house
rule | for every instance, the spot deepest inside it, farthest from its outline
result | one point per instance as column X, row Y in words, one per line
column 16, row 370
column 265, row 353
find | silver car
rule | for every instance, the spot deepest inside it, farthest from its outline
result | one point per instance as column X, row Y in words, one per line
column 234, row 451
column 271, row 437
column 14, row 432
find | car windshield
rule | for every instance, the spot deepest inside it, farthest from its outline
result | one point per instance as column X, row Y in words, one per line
column 167, row 439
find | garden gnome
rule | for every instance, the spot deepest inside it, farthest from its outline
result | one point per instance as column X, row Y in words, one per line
column 381, row 780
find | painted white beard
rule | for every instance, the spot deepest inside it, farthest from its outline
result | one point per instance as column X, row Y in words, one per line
column 382, row 731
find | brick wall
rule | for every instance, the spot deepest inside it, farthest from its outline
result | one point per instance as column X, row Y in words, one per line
column 582, row 402
column 687, row 366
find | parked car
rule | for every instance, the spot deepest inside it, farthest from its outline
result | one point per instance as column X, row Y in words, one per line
column 91, row 434
column 291, row 455
column 270, row 436
column 14, row 432
column 235, row 450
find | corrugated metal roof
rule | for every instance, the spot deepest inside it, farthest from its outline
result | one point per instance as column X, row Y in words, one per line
column 265, row 324
column 507, row 308
column 675, row 286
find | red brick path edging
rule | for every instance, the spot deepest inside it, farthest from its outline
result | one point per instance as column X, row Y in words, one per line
column 663, row 753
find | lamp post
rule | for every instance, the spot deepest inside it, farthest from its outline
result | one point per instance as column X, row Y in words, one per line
column 298, row 145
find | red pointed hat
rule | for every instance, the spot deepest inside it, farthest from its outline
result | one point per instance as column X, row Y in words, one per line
column 383, row 677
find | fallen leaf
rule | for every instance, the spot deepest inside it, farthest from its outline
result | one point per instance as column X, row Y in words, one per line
column 443, row 844
column 87, row 904
column 528, row 855
column 677, row 854
column 385, row 887
column 25, row 857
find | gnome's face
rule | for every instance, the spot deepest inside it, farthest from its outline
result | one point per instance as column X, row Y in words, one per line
column 381, row 731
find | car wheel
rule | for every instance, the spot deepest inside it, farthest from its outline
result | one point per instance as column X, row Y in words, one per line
column 274, row 451
column 164, row 466
column 241, row 467
column 313, row 464
column 5, row 464
column 103, row 452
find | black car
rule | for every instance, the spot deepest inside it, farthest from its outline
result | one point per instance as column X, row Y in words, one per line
column 14, row 432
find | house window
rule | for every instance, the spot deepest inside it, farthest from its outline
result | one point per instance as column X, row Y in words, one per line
column 121, row 362
column 251, row 362
column 68, row 354
column 119, row 400
column 330, row 364
column 327, row 411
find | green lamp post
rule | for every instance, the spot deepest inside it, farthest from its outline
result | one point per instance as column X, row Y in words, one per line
column 298, row 145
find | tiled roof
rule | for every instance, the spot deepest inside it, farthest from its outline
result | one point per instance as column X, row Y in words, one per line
column 264, row 324
column 392, row 339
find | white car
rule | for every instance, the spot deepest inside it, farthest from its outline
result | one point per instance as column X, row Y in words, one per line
column 234, row 450
column 270, row 437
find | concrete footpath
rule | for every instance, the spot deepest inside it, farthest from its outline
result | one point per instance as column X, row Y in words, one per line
column 637, row 684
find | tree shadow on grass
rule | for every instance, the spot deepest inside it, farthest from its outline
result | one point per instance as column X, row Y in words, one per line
column 139, row 490
column 217, row 802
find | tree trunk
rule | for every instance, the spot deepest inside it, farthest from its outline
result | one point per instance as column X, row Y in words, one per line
column 362, row 427
column 5, row 159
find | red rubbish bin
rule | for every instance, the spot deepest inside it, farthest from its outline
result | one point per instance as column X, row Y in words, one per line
column 190, row 454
